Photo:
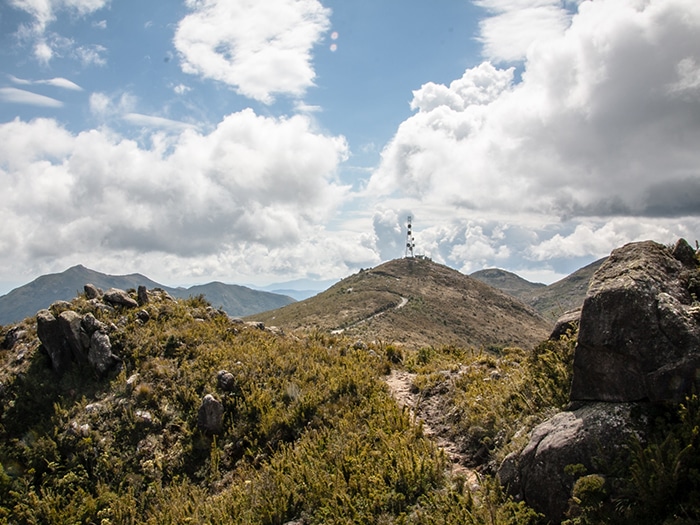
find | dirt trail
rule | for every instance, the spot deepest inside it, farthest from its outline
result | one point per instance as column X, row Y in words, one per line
column 402, row 303
column 399, row 383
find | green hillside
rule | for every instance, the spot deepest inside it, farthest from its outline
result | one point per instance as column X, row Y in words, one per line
column 415, row 302
column 309, row 431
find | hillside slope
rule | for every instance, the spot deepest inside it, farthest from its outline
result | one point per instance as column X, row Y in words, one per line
column 550, row 301
column 564, row 295
column 415, row 302
column 508, row 282
column 26, row 300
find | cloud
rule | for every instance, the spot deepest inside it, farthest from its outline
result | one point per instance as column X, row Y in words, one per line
column 150, row 121
column 593, row 146
column 596, row 127
column 515, row 25
column 262, row 49
column 58, row 82
column 252, row 184
column 45, row 12
column 92, row 55
column 20, row 96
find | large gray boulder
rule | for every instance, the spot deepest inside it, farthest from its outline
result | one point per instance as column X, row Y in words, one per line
column 639, row 333
column 593, row 436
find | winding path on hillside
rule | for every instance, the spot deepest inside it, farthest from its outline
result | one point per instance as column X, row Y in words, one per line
column 402, row 302
column 400, row 385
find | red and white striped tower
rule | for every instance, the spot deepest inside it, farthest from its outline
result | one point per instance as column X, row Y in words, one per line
column 410, row 241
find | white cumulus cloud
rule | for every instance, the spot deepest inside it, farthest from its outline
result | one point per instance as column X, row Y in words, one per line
column 263, row 49
column 252, row 182
column 592, row 129
column 595, row 144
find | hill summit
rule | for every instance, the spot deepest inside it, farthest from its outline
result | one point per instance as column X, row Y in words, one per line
column 416, row 302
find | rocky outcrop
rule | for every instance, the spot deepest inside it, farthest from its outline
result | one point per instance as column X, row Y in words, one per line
column 74, row 338
column 639, row 334
column 638, row 343
column 69, row 337
column 595, row 435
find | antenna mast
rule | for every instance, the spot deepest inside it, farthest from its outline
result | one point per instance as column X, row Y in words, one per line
column 410, row 242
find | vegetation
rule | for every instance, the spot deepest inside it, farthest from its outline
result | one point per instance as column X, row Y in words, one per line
column 310, row 435
column 415, row 302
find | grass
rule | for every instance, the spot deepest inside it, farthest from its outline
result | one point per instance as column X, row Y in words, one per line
column 310, row 432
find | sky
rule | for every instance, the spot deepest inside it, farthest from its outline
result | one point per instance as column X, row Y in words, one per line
column 263, row 142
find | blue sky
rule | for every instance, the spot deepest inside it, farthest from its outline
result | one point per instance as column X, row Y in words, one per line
column 259, row 142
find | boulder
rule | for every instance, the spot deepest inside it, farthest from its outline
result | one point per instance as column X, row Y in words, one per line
column 52, row 340
column 70, row 324
column 566, row 324
column 142, row 295
column 226, row 381
column 92, row 291
column 100, row 354
column 210, row 417
column 91, row 325
column 117, row 297
column 12, row 337
column 594, row 436
column 639, row 333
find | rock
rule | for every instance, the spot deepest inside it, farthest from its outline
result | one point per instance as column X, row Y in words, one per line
column 567, row 323
column 142, row 295
column 118, row 297
column 226, row 381
column 92, row 291
column 100, row 354
column 143, row 316
column 91, row 325
column 639, row 334
column 210, row 417
column 59, row 306
column 72, row 338
column 684, row 253
column 593, row 436
column 70, row 324
column 52, row 340
column 12, row 337
column 132, row 382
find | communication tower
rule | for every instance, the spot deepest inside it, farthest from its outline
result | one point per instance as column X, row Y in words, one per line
column 410, row 242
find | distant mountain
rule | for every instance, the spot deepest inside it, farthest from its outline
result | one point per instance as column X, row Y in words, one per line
column 300, row 289
column 550, row 301
column 564, row 295
column 28, row 299
column 508, row 282
column 235, row 300
column 416, row 302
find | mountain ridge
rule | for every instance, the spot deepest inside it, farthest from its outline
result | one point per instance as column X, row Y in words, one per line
column 26, row 300
column 552, row 300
